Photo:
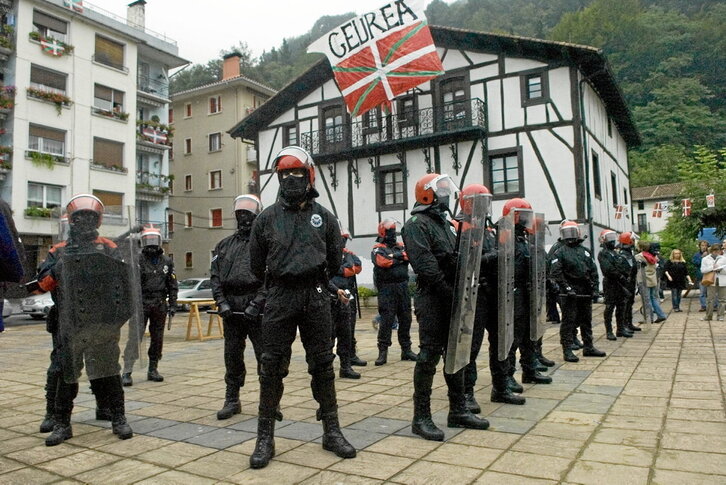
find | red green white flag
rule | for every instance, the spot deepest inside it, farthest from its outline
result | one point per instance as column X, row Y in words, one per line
column 381, row 54
column 52, row 47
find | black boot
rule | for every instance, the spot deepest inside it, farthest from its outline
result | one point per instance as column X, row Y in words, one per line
column 355, row 360
column 265, row 446
column 622, row 331
column 103, row 407
column 408, row 354
column 534, row 377
column 545, row 361
column 539, row 365
column 513, row 385
column 507, row 397
column 126, row 379
column 333, row 439
column 633, row 328
column 61, row 430
column 569, row 356
column 592, row 352
column 609, row 331
column 278, row 414
column 119, row 425
column 576, row 344
column 346, row 371
column 422, row 424
column 103, row 414
column 460, row 417
column 153, row 374
column 382, row 357
column 231, row 405
column 471, row 403
column 48, row 423
column 51, row 386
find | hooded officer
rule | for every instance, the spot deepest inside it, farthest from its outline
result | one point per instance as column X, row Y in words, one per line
column 614, row 268
column 344, row 313
column 626, row 242
column 430, row 241
column 295, row 246
column 85, row 213
column 576, row 274
column 523, row 227
column 390, row 275
column 158, row 283
column 240, row 297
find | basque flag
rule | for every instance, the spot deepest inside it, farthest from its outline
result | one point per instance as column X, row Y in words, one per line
column 686, row 206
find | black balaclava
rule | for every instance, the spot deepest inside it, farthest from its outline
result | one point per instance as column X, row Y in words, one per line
column 609, row 245
column 152, row 252
column 294, row 190
column 83, row 227
column 245, row 219
column 572, row 242
column 389, row 237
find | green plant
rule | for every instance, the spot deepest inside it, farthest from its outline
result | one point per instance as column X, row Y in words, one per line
column 365, row 293
column 5, row 165
column 67, row 48
column 6, row 149
column 58, row 99
column 43, row 160
column 38, row 212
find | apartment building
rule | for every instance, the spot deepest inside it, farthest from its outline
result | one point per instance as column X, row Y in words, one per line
column 210, row 168
column 85, row 108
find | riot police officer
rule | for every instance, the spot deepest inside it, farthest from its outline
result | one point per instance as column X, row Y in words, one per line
column 486, row 317
column 575, row 272
column 430, row 241
column 158, row 283
column 626, row 242
column 344, row 313
column 239, row 295
column 523, row 226
column 390, row 275
column 296, row 245
column 100, row 347
column 614, row 268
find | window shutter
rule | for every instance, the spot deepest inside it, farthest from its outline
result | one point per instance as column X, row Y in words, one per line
column 52, row 23
column 107, row 152
column 109, row 52
column 102, row 92
column 48, row 133
column 216, row 217
column 46, row 77
column 113, row 201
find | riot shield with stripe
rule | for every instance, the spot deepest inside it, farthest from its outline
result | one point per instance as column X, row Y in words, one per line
column 505, row 291
column 98, row 292
column 470, row 234
column 537, row 278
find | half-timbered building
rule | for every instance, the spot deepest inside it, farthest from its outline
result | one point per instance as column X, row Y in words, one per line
column 526, row 117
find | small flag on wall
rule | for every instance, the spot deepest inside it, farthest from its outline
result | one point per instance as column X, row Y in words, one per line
column 686, row 206
column 619, row 212
column 76, row 5
column 658, row 209
column 710, row 201
column 52, row 47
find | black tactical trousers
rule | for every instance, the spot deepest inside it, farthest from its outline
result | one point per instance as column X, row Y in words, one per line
column 236, row 330
column 287, row 310
column 551, row 297
column 486, row 319
column 155, row 316
column 522, row 339
column 628, row 306
column 576, row 310
column 54, row 375
column 433, row 314
column 342, row 330
column 394, row 302
column 615, row 301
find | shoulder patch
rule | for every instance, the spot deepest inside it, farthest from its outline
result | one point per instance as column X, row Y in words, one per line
column 316, row 220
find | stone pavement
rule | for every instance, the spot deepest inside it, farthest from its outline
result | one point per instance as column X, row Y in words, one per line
column 651, row 412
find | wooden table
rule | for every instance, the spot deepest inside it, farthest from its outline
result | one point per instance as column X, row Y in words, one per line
column 195, row 319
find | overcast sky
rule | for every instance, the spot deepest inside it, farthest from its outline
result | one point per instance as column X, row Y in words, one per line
column 204, row 27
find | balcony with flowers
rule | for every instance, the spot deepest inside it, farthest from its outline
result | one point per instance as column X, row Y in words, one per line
column 153, row 186
column 7, row 41
column 7, row 100
column 154, row 134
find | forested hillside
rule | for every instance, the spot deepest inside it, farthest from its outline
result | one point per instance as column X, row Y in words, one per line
column 668, row 56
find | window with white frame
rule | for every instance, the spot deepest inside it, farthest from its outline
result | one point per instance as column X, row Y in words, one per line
column 47, row 80
column 187, row 219
column 215, row 179
column 290, row 136
column 187, row 183
column 44, row 195
column 215, row 104
column 108, row 99
column 188, row 110
column 187, row 146
column 215, row 218
column 50, row 27
column 391, row 189
column 215, row 142
column 47, row 140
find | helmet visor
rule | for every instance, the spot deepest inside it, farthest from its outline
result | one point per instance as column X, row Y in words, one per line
column 471, row 201
column 570, row 232
column 525, row 218
column 610, row 237
column 247, row 203
column 442, row 186
column 150, row 239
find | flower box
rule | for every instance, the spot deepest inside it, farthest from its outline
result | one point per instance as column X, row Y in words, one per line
column 114, row 115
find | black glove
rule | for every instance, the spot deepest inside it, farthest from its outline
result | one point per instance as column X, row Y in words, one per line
column 32, row 286
column 171, row 311
column 225, row 311
column 254, row 308
column 570, row 291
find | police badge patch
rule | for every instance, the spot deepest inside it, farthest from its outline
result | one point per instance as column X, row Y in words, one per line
column 316, row 220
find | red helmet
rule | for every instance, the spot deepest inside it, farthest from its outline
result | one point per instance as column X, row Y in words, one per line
column 295, row 157
column 248, row 202
column 523, row 213
column 608, row 235
column 433, row 185
column 150, row 236
column 569, row 230
column 385, row 225
column 85, row 202
column 627, row 239
column 467, row 193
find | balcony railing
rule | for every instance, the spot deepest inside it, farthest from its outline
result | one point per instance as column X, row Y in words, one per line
column 153, row 86
column 153, row 183
column 389, row 129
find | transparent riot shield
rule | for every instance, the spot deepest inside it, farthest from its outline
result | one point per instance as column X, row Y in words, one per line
column 461, row 327
column 99, row 298
column 537, row 279
column 505, row 277
column 645, row 295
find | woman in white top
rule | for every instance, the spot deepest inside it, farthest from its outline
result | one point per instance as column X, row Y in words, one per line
column 715, row 261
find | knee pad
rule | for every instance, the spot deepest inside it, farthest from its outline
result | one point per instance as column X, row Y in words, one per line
column 319, row 363
column 274, row 365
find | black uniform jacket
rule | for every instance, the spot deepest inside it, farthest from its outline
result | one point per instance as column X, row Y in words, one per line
column 231, row 274
column 296, row 247
column 390, row 263
column 573, row 267
column 158, row 280
column 431, row 243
